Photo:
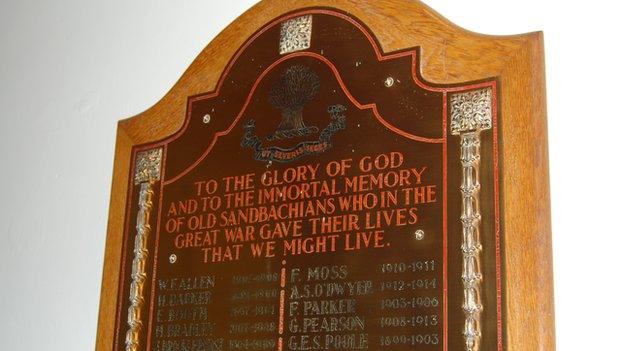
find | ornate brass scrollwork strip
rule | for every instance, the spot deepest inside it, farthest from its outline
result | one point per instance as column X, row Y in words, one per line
column 147, row 173
column 471, row 112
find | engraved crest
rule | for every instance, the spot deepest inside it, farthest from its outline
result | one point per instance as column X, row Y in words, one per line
column 297, row 85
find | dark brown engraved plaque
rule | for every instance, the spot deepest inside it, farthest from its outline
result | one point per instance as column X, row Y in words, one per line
column 323, row 197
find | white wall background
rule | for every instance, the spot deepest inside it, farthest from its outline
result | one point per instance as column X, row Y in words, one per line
column 69, row 69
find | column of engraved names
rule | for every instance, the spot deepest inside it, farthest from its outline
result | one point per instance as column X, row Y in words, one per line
column 253, row 311
column 183, row 320
column 411, row 306
column 323, row 310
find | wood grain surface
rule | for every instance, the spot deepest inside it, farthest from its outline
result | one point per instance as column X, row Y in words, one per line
column 450, row 54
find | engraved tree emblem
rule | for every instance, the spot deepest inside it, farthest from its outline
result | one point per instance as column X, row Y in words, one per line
column 297, row 85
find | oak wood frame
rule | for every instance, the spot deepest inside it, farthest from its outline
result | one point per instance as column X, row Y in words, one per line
column 450, row 54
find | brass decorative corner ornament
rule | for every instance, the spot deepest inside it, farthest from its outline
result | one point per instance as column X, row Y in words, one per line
column 148, row 164
column 295, row 34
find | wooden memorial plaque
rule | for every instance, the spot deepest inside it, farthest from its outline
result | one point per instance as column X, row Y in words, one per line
column 336, row 175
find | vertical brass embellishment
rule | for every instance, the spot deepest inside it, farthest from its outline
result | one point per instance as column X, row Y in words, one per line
column 471, row 112
column 295, row 34
column 147, row 173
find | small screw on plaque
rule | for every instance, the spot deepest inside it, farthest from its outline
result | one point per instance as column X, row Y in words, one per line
column 173, row 258
column 419, row 234
column 206, row 118
column 389, row 82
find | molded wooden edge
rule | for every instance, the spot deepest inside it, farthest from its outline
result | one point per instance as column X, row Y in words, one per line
column 449, row 54
column 114, row 240
column 526, row 201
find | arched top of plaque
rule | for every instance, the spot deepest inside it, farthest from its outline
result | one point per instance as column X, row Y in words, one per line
column 279, row 55
column 449, row 54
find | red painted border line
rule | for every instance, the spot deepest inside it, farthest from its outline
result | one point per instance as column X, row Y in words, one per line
column 445, row 227
column 371, row 106
column 378, row 53
column 499, row 289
